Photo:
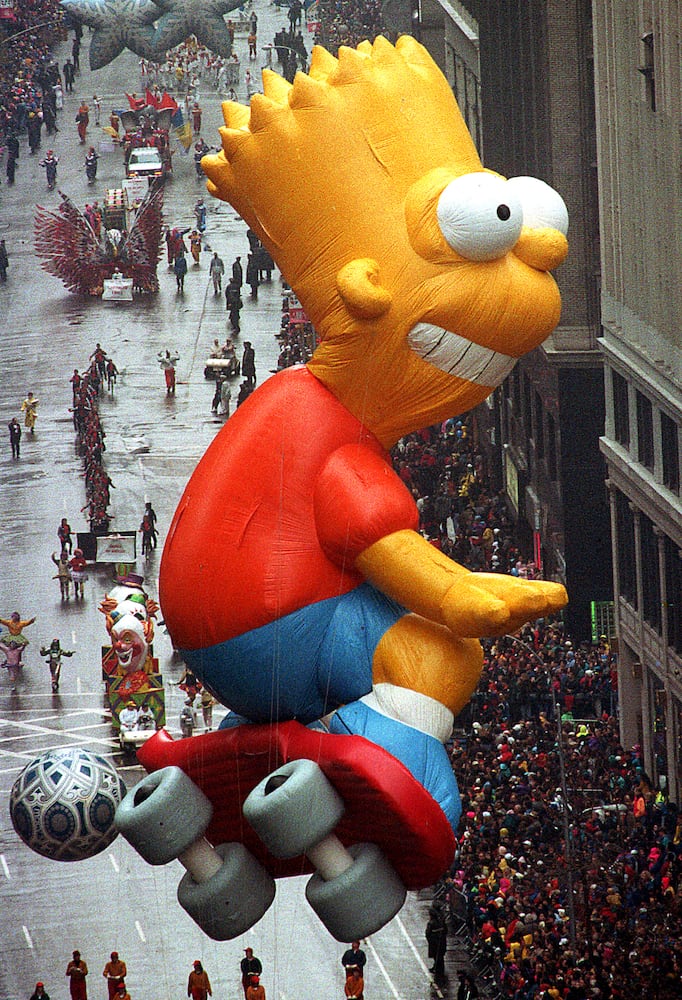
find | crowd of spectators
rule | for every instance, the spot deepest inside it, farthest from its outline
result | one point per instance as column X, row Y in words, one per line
column 613, row 836
column 458, row 512
column 348, row 22
column 514, row 871
column 296, row 338
column 27, row 70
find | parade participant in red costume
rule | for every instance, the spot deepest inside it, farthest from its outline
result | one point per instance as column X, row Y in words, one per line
column 78, row 567
column 199, row 985
column 115, row 972
column 167, row 362
column 77, row 970
column 82, row 120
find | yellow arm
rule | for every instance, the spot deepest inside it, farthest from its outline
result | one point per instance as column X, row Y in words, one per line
column 409, row 569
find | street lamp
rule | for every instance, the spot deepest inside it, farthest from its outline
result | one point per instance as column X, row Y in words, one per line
column 564, row 792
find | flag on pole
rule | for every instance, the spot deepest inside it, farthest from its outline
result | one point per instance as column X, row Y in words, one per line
column 160, row 103
column 136, row 103
column 168, row 102
column 182, row 130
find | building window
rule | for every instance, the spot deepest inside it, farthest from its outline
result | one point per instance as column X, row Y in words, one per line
column 625, row 539
column 671, row 453
column 552, row 466
column 539, row 430
column 673, row 586
column 645, row 431
column 651, row 584
column 621, row 409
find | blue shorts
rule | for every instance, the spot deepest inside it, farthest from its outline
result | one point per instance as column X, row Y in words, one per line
column 423, row 755
column 304, row 664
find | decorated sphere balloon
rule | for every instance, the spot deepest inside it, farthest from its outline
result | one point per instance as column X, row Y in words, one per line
column 62, row 804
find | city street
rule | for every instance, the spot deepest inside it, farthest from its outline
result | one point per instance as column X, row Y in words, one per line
column 153, row 442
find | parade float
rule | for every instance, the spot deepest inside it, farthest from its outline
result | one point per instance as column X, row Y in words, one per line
column 130, row 670
column 126, row 250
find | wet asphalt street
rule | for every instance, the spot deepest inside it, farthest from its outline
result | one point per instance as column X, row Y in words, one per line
column 153, row 442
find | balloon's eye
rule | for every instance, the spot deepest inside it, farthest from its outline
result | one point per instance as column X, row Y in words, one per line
column 480, row 216
column 542, row 206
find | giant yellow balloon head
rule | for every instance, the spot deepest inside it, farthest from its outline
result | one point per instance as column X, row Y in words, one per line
column 425, row 275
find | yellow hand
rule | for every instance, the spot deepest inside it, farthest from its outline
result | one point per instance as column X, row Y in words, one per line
column 472, row 605
column 488, row 604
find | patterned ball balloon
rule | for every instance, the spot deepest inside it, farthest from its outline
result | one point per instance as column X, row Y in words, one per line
column 63, row 803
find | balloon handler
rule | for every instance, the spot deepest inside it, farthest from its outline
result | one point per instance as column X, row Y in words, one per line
column 315, row 599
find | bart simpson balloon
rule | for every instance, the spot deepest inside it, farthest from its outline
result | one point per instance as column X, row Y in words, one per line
column 294, row 580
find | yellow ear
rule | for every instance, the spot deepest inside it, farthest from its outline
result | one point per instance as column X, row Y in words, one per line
column 358, row 285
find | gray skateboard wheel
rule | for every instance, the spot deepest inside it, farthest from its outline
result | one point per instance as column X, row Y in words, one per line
column 362, row 899
column 233, row 899
column 294, row 808
column 163, row 815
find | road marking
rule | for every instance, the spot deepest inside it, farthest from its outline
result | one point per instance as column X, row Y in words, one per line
column 23, row 759
column 79, row 686
column 382, row 970
column 39, row 698
column 403, row 930
column 29, row 941
column 30, row 730
column 5, row 867
column 138, row 928
column 114, row 863
column 76, row 741
column 43, row 720
column 66, row 739
column 73, row 636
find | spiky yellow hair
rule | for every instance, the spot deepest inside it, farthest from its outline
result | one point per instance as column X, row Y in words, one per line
column 316, row 168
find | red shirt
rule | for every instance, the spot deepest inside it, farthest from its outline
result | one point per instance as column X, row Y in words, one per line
column 289, row 493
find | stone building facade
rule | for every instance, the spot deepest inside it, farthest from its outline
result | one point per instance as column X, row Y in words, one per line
column 638, row 71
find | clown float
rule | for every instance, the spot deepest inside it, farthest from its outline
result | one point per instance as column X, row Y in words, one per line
column 342, row 641
column 129, row 668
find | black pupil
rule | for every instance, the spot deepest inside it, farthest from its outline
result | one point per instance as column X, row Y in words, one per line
column 503, row 212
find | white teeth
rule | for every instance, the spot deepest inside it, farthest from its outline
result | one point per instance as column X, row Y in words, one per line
column 458, row 356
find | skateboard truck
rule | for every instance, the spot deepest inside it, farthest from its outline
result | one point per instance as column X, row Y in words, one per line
column 294, row 811
column 225, row 889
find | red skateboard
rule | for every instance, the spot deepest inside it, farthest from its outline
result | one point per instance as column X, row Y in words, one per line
column 284, row 800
